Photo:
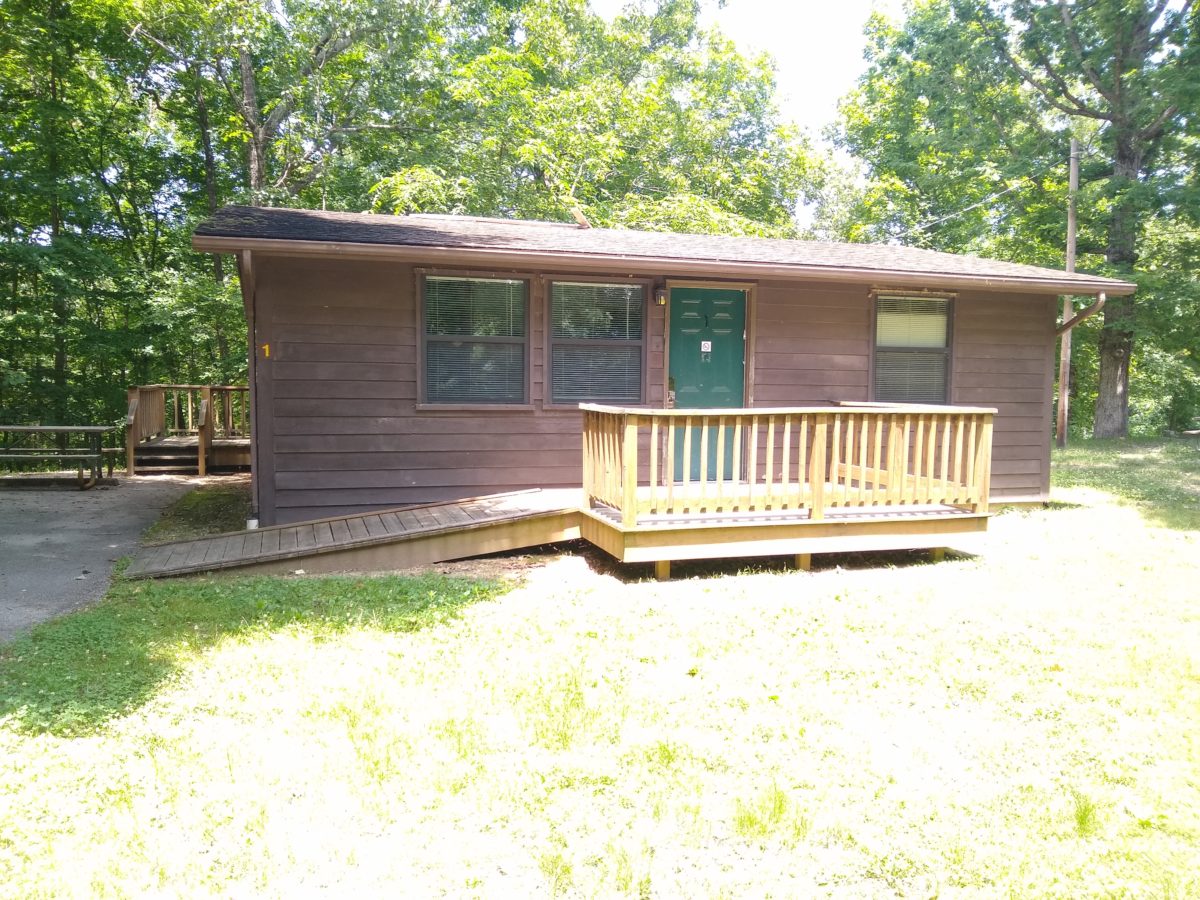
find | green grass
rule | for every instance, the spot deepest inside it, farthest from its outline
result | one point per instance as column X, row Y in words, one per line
column 74, row 675
column 1161, row 477
column 769, row 813
column 1086, row 814
column 209, row 509
column 1021, row 723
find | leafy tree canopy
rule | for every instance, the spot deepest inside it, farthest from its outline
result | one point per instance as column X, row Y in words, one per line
column 127, row 121
column 963, row 121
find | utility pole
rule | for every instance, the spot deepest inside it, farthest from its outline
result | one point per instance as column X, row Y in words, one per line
column 1064, row 355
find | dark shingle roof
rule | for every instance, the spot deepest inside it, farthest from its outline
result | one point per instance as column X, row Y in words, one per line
column 524, row 237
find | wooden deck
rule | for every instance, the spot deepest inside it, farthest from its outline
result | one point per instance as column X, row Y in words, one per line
column 188, row 428
column 380, row 541
column 664, row 485
column 420, row 535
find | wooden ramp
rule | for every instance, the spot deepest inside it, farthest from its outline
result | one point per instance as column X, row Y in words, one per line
column 378, row 541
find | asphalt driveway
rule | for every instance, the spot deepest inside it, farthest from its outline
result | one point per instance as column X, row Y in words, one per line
column 57, row 546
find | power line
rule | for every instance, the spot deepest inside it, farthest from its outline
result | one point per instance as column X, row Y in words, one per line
column 986, row 200
column 967, row 209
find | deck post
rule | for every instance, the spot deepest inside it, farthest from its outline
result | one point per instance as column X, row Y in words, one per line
column 804, row 562
column 131, row 417
column 204, row 429
column 662, row 569
column 817, row 467
column 586, row 458
column 983, row 465
column 629, row 473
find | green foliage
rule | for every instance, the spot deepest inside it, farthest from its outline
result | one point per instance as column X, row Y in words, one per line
column 127, row 121
column 963, row 121
column 644, row 123
column 99, row 287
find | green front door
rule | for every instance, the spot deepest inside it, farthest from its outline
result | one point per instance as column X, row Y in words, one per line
column 707, row 366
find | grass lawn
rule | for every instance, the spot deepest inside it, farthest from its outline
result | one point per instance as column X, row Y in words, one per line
column 1023, row 723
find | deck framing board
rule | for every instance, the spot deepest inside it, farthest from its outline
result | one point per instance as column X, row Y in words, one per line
column 774, row 537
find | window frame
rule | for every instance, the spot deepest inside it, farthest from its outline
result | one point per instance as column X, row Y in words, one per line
column 548, row 345
column 424, row 404
column 948, row 351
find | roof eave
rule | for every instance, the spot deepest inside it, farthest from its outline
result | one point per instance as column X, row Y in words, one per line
column 653, row 265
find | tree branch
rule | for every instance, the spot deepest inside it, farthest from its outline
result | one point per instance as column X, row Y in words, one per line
column 1074, row 108
column 1077, row 45
column 1154, row 42
column 1155, row 128
column 140, row 31
column 326, row 49
column 1065, row 89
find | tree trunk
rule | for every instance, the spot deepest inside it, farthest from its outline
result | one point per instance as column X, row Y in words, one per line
column 210, row 163
column 1116, row 345
column 59, row 299
column 255, row 149
column 1116, row 340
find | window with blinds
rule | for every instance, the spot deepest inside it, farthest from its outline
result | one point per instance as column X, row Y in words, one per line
column 912, row 349
column 475, row 340
column 596, row 335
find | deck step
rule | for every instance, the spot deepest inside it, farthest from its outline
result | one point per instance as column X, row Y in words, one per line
column 178, row 454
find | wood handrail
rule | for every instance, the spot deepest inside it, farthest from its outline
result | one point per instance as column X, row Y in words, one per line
column 837, row 406
column 641, row 462
column 196, row 387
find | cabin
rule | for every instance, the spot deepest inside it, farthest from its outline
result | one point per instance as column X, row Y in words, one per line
column 676, row 378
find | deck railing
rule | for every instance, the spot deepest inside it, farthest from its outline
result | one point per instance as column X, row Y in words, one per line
column 686, row 461
column 211, row 412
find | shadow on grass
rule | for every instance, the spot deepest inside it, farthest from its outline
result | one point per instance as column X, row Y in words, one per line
column 1160, row 477
column 72, row 675
column 683, row 570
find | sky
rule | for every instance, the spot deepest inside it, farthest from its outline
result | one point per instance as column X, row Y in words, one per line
column 817, row 46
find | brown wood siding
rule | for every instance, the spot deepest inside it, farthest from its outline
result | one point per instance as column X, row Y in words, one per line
column 1004, row 357
column 811, row 343
column 341, row 431
column 345, row 432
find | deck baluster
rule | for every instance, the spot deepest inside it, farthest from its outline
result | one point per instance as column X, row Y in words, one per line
column 874, row 456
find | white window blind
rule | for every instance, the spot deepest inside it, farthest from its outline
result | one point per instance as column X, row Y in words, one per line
column 596, row 333
column 475, row 340
column 912, row 349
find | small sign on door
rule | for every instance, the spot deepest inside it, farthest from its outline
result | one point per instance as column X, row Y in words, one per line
column 706, row 346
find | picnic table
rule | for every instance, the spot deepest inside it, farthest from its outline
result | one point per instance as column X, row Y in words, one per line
column 89, row 457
